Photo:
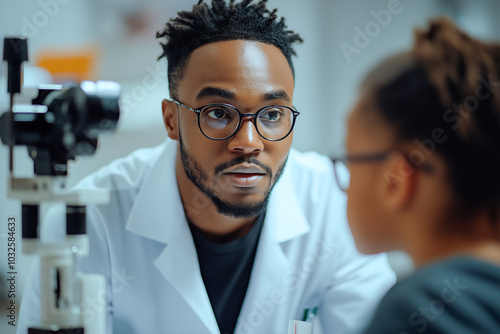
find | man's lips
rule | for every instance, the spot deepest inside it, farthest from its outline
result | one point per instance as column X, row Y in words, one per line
column 245, row 175
column 244, row 180
column 245, row 169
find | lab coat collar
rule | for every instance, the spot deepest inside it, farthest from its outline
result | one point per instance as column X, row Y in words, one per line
column 157, row 212
column 284, row 211
column 159, row 200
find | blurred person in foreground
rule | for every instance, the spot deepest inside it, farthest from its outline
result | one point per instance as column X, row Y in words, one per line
column 423, row 149
column 224, row 228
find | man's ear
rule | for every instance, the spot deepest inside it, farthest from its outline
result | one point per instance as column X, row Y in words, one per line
column 399, row 186
column 169, row 110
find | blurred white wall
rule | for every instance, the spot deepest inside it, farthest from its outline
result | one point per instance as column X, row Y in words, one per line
column 343, row 39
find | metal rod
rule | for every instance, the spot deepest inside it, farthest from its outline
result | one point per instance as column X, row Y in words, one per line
column 11, row 142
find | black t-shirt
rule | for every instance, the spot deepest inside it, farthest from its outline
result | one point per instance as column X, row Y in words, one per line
column 460, row 295
column 225, row 269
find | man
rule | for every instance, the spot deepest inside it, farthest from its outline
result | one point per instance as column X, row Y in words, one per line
column 224, row 228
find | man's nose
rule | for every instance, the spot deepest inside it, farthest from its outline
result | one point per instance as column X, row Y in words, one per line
column 246, row 140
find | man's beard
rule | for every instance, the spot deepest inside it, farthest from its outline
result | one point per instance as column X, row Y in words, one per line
column 199, row 178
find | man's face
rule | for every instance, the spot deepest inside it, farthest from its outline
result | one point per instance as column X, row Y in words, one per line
column 238, row 173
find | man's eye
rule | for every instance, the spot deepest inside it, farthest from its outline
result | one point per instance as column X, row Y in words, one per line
column 272, row 115
column 218, row 114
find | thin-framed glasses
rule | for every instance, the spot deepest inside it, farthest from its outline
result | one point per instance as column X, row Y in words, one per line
column 343, row 175
column 220, row 121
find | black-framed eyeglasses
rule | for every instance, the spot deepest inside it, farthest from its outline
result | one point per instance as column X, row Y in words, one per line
column 343, row 175
column 220, row 121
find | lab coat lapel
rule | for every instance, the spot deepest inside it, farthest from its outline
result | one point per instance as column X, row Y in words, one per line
column 284, row 220
column 159, row 200
column 178, row 263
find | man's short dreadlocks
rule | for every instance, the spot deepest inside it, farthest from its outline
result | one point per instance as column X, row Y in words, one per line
column 222, row 22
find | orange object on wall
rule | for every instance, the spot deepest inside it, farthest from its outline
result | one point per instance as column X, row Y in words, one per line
column 67, row 65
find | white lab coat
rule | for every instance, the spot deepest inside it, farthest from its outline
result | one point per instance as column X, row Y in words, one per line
column 142, row 243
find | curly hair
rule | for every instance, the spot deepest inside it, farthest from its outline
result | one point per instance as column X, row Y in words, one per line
column 219, row 22
column 448, row 82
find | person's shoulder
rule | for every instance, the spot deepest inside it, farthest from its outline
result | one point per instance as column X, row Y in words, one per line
column 430, row 281
column 437, row 275
column 442, row 297
column 126, row 173
column 122, row 178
